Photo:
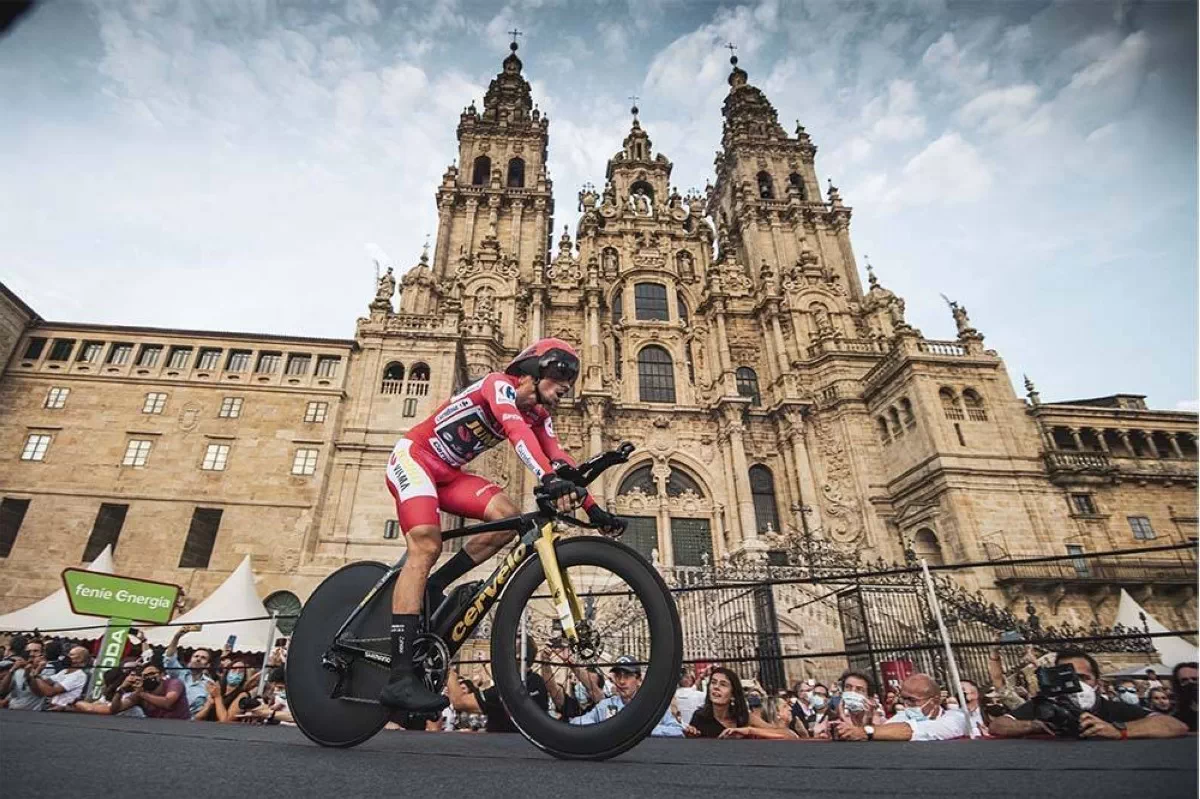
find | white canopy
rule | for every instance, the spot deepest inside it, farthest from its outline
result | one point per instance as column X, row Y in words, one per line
column 236, row 598
column 1172, row 648
column 53, row 615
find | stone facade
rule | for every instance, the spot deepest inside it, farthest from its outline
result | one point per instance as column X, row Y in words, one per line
column 729, row 336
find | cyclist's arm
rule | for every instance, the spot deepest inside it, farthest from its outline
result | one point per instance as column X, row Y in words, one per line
column 544, row 432
column 501, row 400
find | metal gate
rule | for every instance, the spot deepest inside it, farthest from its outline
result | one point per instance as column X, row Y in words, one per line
column 880, row 622
column 737, row 626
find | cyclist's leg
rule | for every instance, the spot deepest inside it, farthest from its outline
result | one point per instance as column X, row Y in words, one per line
column 474, row 497
column 416, row 497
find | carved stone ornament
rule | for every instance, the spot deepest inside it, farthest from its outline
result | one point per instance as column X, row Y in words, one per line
column 734, row 280
column 842, row 513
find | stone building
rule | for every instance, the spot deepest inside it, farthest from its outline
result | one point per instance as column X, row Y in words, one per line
column 772, row 396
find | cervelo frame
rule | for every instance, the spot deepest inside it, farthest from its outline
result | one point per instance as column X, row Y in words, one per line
column 537, row 537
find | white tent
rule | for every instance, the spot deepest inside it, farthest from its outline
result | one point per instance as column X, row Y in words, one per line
column 236, row 598
column 54, row 612
column 1172, row 648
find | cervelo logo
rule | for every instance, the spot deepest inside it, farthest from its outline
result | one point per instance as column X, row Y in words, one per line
column 505, row 394
column 451, row 409
column 487, row 596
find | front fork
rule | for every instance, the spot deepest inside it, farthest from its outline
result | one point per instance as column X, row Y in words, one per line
column 562, row 593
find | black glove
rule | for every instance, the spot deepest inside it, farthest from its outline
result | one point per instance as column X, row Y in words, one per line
column 554, row 487
column 611, row 525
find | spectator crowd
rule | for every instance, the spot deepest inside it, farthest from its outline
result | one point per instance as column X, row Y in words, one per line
column 51, row 675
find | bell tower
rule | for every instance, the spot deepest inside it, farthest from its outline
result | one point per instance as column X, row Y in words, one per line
column 495, row 212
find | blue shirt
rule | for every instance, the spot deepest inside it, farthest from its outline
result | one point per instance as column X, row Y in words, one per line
column 669, row 727
column 195, row 688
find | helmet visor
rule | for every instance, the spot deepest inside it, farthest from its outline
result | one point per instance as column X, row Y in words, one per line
column 564, row 370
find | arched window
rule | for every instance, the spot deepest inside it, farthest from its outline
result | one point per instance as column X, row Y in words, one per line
column 762, row 489
column 393, row 378
column 481, row 174
column 796, row 185
column 950, row 403
column 926, row 546
column 884, row 437
column 894, row 415
column 656, row 375
column 906, row 413
column 766, row 189
column 640, row 478
column 516, row 173
column 975, row 410
column 680, row 481
column 650, row 301
column 616, row 305
column 683, row 309
column 644, row 188
column 418, row 380
column 747, row 385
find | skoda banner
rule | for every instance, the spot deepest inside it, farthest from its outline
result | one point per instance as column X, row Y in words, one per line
column 122, row 600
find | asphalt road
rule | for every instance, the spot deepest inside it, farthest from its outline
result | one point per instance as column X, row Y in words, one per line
column 47, row 754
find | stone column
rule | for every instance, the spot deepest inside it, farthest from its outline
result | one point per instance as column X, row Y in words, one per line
column 780, row 347
column 593, row 379
column 469, row 240
column 535, row 314
column 1103, row 441
column 804, row 471
column 593, row 407
column 1174, row 439
column 515, row 246
column 1074, row 431
column 735, row 527
column 723, row 356
column 741, row 471
column 1148, row 437
column 441, row 253
column 1125, row 439
column 666, row 555
column 720, row 545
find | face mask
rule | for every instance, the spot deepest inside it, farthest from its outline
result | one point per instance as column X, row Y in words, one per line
column 1129, row 697
column 235, row 678
column 915, row 714
column 1086, row 696
column 817, row 701
column 854, row 701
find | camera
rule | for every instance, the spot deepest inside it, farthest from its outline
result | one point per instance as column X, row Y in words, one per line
column 1052, row 704
column 248, row 703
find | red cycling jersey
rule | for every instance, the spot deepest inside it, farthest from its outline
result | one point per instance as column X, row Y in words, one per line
column 424, row 472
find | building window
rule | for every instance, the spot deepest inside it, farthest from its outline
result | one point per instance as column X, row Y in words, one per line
column 906, row 412
column 61, row 351
column 209, row 359
column 119, row 354
column 327, row 365
column 418, row 380
column 215, row 458
column 155, row 402
column 481, row 172
column 315, row 412
column 762, row 490
column 239, row 361
column 410, row 407
column 641, row 533
column 393, row 379
column 1080, row 563
column 297, row 365
column 691, row 539
column 33, row 350
column 202, row 535
column 616, row 305
column 656, row 375
column 268, row 363
column 747, row 385
column 766, row 188
column 1142, row 531
column 679, row 482
column 516, row 173
column 90, row 351
column 136, row 452
column 1083, row 504
column 796, row 186
column 884, row 436
column 56, row 397
column 950, row 403
column 35, row 447
column 149, row 355
column 975, row 410
column 178, row 359
column 231, row 408
column 391, row 529
column 12, row 513
column 305, row 461
column 650, row 301
column 105, row 530
column 926, row 547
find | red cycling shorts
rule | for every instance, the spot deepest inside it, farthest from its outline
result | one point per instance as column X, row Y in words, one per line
column 423, row 484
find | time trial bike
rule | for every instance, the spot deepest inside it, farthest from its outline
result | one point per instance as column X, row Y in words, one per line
column 594, row 595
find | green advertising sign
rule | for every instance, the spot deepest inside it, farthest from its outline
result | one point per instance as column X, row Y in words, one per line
column 114, row 597
column 111, row 647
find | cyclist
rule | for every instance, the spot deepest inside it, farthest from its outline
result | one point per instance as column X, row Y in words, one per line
column 425, row 476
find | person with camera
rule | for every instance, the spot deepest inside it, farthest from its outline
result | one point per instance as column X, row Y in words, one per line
column 159, row 697
column 626, row 676
column 14, row 683
column 583, row 688
column 1062, row 712
column 923, row 717
column 194, row 678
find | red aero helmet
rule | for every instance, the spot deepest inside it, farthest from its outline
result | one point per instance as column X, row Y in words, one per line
column 547, row 357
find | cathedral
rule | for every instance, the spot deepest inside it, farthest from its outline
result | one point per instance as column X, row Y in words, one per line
column 772, row 397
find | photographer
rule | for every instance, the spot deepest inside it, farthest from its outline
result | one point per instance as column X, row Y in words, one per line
column 159, row 697
column 923, row 717
column 1097, row 717
column 14, row 683
column 196, row 683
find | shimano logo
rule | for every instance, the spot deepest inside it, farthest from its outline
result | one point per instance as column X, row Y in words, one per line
column 378, row 657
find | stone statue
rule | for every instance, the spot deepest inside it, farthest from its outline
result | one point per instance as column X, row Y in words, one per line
column 639, row 203
column 384, row 290
column 821, row 318
column 961, row 320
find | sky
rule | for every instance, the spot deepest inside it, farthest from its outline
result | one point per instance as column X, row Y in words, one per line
column 229, row 164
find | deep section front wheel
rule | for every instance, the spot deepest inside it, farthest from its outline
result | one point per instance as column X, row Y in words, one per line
column 628, row 610
column 355, row 715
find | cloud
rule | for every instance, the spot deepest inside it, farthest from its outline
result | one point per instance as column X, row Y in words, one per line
column 948, row 171
column 1188, row 405
column 1000, row 109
